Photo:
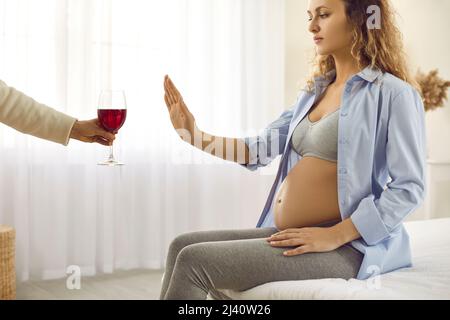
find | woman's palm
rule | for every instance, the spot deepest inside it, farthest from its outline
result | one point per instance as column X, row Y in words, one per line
column 180, row 115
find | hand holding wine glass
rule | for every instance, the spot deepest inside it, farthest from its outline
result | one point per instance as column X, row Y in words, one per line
column 91, row 131
column 112, row 113
column 180, row 115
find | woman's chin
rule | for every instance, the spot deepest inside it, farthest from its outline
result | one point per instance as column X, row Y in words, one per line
column 323, row 52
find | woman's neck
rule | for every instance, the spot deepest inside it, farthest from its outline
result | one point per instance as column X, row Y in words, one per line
column 346, row 67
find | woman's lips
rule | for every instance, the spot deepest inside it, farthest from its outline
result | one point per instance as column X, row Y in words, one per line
column 318, row 40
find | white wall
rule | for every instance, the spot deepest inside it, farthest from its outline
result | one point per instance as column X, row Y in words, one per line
column 425, row 27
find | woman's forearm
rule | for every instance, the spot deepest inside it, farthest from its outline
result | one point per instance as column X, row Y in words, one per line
column 230, row 149
column 346, row 232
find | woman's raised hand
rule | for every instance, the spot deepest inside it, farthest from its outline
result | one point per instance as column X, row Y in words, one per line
column 181, row 117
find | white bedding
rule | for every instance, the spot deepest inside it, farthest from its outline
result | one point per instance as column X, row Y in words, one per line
column 429, row 278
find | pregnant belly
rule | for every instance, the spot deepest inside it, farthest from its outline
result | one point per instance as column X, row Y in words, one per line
column 308, row 196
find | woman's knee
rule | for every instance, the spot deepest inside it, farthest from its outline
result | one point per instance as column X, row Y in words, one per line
column 190, row 254
column 185, row 239
column 180, row 242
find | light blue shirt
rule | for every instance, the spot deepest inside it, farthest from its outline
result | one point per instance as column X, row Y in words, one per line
column 381, row 162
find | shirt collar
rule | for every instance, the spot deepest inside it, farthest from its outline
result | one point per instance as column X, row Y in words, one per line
column 369, row 74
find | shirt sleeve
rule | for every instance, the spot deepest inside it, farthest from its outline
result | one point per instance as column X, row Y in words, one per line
column 376, row 219
column 25, row 115
column 270, row 142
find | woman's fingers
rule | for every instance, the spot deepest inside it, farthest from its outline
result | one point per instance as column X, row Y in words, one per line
column 166, row 88
column 284, row 236
column 171, row 93
column 295, row 230
column 175, row 90
column 166, row 99
column 170, row 98
column 298, row 251
column 288, row 243
column 289, row 230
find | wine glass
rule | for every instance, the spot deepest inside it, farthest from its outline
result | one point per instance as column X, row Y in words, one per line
column 112, row 113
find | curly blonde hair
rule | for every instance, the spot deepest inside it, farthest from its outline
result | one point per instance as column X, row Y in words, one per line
column 382, row 48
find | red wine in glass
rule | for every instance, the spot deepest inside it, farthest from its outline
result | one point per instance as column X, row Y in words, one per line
column 112, row 119
column 112, row 113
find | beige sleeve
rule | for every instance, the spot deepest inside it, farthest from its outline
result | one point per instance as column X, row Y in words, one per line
column 24, row 114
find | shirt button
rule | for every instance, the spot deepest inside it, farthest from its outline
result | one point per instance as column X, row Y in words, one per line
column 343, row 202
column 343, row 114
column 348, row 90
column 343, row 141
column 343, row 171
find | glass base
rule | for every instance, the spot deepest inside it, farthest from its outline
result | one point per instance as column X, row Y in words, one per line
column 111, row 163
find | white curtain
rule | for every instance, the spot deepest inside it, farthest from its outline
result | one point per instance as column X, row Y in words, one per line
column 227, row 58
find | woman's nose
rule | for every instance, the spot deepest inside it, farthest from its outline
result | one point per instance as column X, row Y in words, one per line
column 313, row 27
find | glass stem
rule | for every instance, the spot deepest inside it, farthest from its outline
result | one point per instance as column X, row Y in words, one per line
column 111, row 153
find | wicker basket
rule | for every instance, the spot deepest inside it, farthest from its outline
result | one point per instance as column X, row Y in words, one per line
column 7, row 263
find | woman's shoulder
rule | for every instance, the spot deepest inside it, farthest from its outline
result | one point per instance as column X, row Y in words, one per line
column 393, row 86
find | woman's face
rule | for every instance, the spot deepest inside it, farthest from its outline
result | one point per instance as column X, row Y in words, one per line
column 328, row 21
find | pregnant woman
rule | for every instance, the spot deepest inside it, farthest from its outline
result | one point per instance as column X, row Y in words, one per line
column 329, row 214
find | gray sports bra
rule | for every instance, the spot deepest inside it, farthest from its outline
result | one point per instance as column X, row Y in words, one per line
column 318, row 139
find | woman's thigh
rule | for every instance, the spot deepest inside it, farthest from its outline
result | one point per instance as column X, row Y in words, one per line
column 189, row 238
column 243, row 264
column 186, row 239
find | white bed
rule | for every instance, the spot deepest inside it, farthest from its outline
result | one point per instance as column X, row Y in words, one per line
column 429, row 278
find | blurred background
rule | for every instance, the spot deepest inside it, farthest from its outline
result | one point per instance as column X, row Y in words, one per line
column 238, row 63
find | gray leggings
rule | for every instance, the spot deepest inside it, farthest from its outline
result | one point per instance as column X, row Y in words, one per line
column 200, row 262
